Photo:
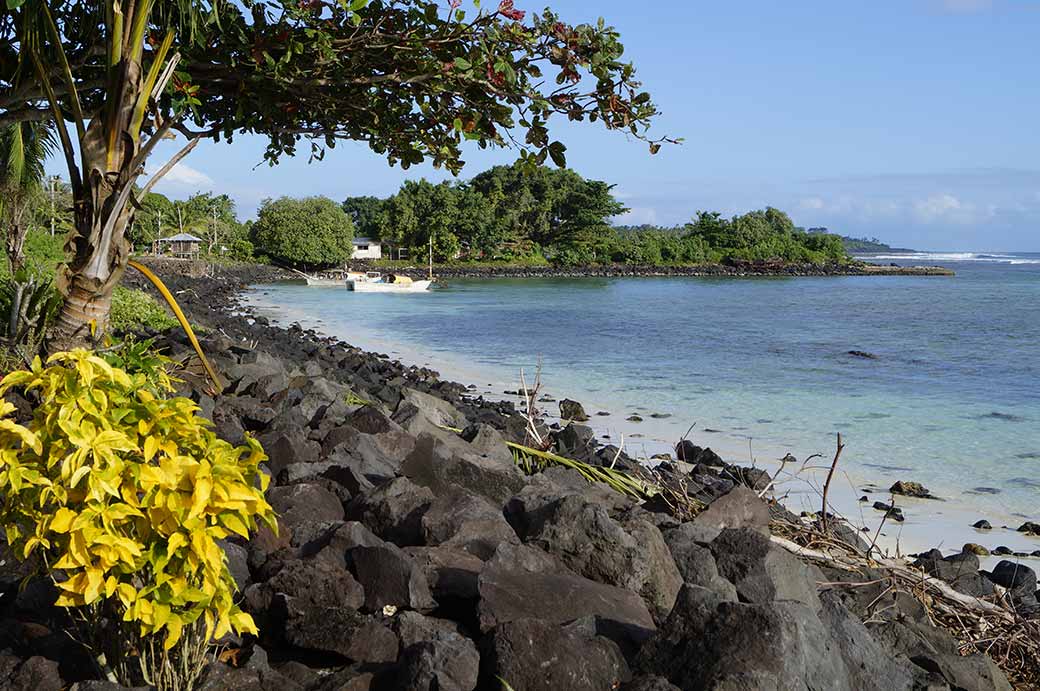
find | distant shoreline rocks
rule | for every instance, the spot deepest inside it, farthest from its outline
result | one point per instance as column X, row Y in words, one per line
column 731, row 269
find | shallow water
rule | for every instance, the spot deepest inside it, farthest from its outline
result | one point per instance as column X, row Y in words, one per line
column 951, row 397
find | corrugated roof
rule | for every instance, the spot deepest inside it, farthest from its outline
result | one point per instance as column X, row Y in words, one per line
column 182, row 237
column 365, row 241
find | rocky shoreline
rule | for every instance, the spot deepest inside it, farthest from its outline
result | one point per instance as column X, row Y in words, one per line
column 412, row 557
column 732, row 269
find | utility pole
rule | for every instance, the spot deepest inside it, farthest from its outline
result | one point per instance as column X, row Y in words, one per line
column 158, row 233
column 54, row 183
column 213, row 231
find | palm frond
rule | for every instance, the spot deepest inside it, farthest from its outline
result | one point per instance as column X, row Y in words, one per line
column 24, row 149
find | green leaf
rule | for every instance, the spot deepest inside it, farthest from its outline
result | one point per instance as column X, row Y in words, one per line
column 14, row 4
column 556, row 153
column 462, row 64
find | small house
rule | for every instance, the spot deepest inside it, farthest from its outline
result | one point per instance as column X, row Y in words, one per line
column 367, row 248
column 181, row 245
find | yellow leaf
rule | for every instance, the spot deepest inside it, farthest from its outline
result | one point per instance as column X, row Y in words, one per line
column 62, row 520
column 173, row 632
column 234, row 524
column 126, row 593
column 151, row 445
column 243, row 623
column 95, row 579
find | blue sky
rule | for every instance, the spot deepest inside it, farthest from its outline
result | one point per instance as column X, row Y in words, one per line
column 911, row 120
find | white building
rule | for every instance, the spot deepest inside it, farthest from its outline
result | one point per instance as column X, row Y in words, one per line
column 366, row 248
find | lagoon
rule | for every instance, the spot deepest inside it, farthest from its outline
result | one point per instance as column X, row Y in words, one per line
column 759, row 367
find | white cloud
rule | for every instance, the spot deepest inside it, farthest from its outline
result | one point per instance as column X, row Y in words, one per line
column 944, row 207
column 812, row 204
column 183, row 176
column 637, row 216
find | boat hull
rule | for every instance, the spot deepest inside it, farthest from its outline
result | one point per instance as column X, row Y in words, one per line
column 380, row 287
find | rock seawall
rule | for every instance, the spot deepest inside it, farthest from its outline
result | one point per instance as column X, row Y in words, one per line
column 733, row 269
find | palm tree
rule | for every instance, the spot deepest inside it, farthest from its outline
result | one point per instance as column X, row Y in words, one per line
column 24, row 147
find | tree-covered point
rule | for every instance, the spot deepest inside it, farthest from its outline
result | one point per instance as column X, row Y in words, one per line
column 307, row 233
column 515, row 214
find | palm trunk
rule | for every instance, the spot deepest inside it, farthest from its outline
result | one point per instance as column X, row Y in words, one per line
column 83, row 317
column 100, row 253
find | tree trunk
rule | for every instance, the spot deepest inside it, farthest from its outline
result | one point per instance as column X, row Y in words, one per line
column 83, row 318
column 99, row 255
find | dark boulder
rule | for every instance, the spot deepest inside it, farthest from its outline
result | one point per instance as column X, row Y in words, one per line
column 35, row 674
column 462, row 519
column 688, row 452
column 449, row 662
column 529, row 655
column 695, row 561
column 959, row 570
column 572, row 410
column 1030, row 528
column 451, row 572
column 390, row 577
column 1016, row 577
column 438, row 466
column 575, row 440
column 649, row 682
column 738, row 508
column 708, row 643
column 763, row 572
column 436, row 410
column 304, row 503
column 633, row 556
column 393, row 511
column 509, row 591
column 910, row 489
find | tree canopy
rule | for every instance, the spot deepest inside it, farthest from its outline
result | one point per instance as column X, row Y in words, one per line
column 308, row 233
column 414, row 79
column 506, row 212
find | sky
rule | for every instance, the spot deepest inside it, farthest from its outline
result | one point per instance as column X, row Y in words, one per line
column 914, row 121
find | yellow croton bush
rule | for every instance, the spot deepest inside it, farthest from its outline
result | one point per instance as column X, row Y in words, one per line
column 123, row 494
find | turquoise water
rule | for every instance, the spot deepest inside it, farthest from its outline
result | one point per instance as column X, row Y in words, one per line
column 951, row 400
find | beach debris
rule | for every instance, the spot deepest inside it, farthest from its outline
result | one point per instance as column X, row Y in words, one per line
column 911, row 489
column 1003, row 551
column 976, row 549
column 572, row 410
column 982, row 525
column 1030, row 528
column 602, row 413
column 660, row 416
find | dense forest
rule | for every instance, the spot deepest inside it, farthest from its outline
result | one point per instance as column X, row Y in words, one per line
column 506, row 214
column 555, row 215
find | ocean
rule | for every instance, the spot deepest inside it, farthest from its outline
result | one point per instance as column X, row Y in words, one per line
column 756, row 367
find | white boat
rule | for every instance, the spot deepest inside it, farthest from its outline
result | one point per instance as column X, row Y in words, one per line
column 335, row 278
column 374, row 282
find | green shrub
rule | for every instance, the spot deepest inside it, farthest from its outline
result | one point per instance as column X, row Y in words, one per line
column 123, row 495
column 133, row 310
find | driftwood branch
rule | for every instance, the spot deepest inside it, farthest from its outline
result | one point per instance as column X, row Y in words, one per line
column 827, row 484
column 896, row 568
